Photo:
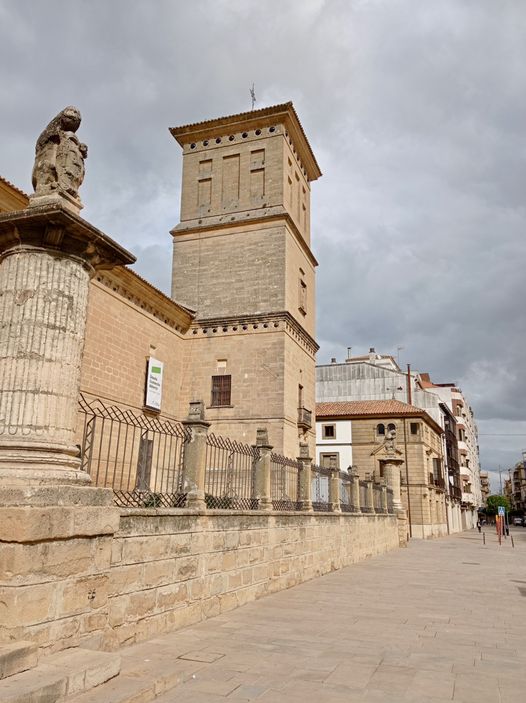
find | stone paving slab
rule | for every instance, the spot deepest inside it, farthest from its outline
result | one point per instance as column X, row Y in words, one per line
column 443, row 620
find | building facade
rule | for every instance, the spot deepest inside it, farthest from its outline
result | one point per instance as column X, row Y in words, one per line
column 242, row 260
column 377, row 376
column 419, row 445
column 517, row 486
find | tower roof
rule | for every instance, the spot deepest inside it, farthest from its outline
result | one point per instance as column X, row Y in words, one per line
column 254, row 119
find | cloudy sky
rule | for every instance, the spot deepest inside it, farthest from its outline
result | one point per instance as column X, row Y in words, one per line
column 416, row 110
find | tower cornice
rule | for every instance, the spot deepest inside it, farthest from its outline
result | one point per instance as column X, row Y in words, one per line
column 254, row 119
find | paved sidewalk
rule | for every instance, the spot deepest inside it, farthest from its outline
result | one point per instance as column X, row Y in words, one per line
column 442, row 620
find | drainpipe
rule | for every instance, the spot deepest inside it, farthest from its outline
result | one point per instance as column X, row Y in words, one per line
column 409, row 395
column 407, row 482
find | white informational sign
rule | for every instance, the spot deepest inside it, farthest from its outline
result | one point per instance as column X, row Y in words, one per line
column 501, row 510
column 154, row 383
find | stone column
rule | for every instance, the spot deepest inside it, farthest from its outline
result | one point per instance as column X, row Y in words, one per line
column 383, row 489
column 305, row 482
column 392, row 476
column 263, row 468
column 391, row 469
column 47, row 255
column 334, row 491
column 355, row 490
column 369, row 495
column 194, row 459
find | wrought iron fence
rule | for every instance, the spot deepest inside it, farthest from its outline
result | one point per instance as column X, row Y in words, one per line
column 345, row 492
column 320, row 488
column 139, row 457
column 284, row 482
column 230, row 472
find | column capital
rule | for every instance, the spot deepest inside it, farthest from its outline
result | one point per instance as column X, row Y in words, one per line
column 54, row 228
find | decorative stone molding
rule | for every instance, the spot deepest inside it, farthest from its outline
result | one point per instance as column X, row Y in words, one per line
column 261, row 322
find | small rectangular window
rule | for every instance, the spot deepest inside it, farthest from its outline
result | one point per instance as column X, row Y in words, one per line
column 221, row 390
column 328, row 431
column 414, row 428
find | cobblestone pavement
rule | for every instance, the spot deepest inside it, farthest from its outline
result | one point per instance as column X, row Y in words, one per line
column 442, row 620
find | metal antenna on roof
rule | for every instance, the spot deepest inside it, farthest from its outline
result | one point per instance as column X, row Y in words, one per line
column 253, row 96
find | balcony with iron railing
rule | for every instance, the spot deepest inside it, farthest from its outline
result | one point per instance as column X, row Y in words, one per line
column 304, row 418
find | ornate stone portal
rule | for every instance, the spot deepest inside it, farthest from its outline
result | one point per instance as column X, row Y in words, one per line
column 47, row 255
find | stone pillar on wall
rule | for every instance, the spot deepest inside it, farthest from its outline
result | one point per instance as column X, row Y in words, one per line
column 391, row 471
column 355, row 490
column 263, row 469
column 369, row 494
column 305, row 479
column 383, row 489
column 334, row 491
column 49, row 514
column 194, row 459
column 47, row 255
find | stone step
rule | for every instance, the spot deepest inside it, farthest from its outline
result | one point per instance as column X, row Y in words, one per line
column 17, row 657
column 148, row 670
column 60, row 676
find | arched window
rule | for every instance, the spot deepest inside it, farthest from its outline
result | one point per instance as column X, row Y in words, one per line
column 380, row 429
column 391, row 426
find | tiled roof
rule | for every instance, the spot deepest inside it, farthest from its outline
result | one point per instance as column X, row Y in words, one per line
column 347, row 408
column 373, row 408
column 14, row 187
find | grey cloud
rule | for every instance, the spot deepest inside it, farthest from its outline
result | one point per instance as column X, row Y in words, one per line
column 415, row 111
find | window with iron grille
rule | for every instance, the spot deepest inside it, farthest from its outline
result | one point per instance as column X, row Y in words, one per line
column 221, row 390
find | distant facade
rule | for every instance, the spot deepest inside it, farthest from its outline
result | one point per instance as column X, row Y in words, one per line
column 357, row 430
column 484, row 486
column 377, row 376
column 517, row 486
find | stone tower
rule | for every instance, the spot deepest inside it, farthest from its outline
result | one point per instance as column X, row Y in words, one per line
column 242, row 261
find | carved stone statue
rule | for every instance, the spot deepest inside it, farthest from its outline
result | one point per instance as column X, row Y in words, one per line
column 390, row 439
column 59, row 156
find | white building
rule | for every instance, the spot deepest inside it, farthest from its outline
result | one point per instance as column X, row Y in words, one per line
column 334, row 444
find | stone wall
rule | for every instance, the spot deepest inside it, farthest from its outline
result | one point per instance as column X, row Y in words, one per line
column 74, row 570
column 170, row 569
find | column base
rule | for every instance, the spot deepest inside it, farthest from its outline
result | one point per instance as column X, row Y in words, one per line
column 42, row 476
column 306, row 506
column 57, row 197
column 24, row 463
column 265, row 504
